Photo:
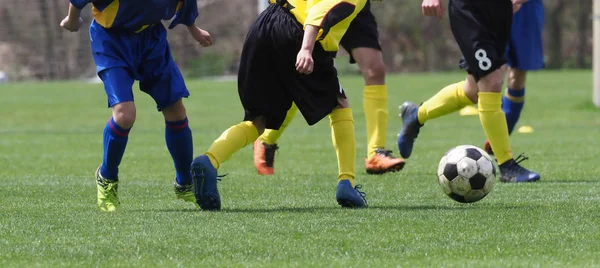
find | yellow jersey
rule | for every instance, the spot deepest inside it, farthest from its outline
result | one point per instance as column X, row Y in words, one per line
column 332, row 16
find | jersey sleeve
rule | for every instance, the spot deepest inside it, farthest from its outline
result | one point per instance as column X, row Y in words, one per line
column 328, row 13
column 80, row 4
column 187, row 12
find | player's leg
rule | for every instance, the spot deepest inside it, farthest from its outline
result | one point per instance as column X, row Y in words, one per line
column 266, row 145
column 315, row 95
column 448, row 100
column 362, row 42
column 117, row 84
column 257, row 88
column 178, row 137
column 514, row 98
column 161, row 79
column 524, row 53
column 485, row 58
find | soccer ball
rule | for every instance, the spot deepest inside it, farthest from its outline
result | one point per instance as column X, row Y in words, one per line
column 466, row 174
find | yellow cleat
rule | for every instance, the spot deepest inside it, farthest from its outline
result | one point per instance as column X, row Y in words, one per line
column 185, row 192
column 108, row 199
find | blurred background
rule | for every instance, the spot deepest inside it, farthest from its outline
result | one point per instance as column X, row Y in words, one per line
column 34, row 47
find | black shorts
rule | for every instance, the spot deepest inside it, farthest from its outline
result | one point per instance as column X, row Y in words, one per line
column 362, row 32
column 268, row 82
column 482, row 30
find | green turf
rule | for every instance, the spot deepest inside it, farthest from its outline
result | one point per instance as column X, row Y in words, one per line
column 51, row 143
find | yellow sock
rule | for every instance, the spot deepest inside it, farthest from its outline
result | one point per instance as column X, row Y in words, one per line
column 231, row 141
column 494, row 124
column 376, row 115
column 448, row 100
column 342, row 135
column 270, row 136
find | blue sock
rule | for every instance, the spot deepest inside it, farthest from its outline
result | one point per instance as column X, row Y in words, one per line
column 115, row 141
column 180, row 144
column 512, row 104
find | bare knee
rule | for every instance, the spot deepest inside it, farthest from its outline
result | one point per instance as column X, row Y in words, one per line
column 516, row 78
column 175, row 112
column 124, row 114
column 372, row 67
column 492, row 82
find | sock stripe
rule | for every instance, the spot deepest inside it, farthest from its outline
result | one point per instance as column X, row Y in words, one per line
column 177, row 124
column 117, row 129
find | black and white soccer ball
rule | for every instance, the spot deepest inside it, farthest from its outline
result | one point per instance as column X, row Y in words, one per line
column 466, row 173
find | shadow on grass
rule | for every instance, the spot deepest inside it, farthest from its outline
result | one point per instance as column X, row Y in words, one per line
column 336, row 209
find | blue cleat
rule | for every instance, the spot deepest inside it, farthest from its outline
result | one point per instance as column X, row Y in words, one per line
column 350, row 197
column 205, row 184
column 511, row 171
column 410, row 128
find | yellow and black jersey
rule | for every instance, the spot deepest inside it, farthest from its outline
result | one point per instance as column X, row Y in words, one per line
column 332, row 16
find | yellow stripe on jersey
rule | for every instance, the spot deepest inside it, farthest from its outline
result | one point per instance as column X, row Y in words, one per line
column 179, row 6
column 107, row 16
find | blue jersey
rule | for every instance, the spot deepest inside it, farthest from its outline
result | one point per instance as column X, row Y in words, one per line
column 136, row 15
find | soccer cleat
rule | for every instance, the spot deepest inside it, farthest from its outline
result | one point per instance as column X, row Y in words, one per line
column 184, row 192
column 205, row 179
column 511, row 171
column 108, row 199
column 383, row 162
column 350, row 197
column 488, row 148
column 410, row 128
column 264, row 157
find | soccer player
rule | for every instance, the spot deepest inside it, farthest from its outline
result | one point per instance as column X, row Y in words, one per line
column 129, row 43
column 283, row 64
column 362, row 42
column 525, row 52
column 482, row 30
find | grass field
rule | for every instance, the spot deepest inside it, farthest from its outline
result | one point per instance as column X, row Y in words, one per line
column 51, row 142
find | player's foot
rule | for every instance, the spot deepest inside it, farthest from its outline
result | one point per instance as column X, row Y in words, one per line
column 488, row 148
column 264, row 157
column 511, row 171
column 184, row 192
column 410, row 128
column 205, row 184
column 350, row 197
column 383, row 162
column 108, row 199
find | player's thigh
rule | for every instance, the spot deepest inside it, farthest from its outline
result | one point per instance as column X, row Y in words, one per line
column 118, row 84
column 159, row 75
column 483, row 47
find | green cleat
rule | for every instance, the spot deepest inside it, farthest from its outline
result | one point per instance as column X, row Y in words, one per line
column 185, row 192
column 107, row 193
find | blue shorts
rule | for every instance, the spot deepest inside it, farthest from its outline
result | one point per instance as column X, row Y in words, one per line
column 122, row 57
column 525, row 50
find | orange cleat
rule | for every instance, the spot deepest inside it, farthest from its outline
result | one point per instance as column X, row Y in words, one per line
column 383, row 162
column 264, row 157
